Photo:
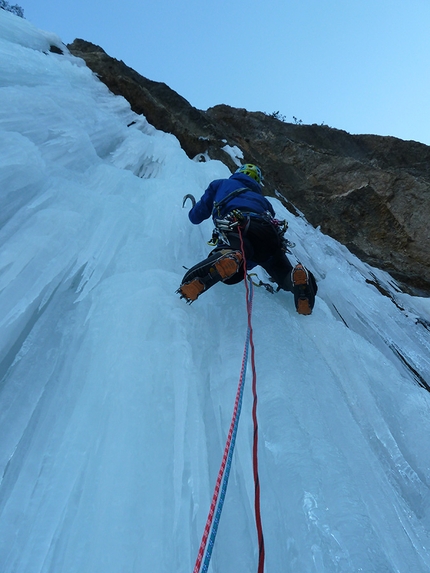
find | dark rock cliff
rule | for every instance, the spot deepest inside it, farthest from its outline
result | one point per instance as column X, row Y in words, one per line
column 371, row 193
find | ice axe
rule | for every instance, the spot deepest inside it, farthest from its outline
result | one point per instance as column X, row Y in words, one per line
column 190, row 197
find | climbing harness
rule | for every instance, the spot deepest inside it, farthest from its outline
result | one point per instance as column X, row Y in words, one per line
column 238, row 218
column 212, row 522
column 229, row 223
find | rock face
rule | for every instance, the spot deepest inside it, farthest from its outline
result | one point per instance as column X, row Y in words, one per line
column 370, row 193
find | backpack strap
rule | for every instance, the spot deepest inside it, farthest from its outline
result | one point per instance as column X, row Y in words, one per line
column 218, row 204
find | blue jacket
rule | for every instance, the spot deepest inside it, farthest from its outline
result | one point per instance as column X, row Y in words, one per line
column 251, row 200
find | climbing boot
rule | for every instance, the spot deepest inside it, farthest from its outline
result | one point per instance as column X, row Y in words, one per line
column 303, row 292
column 228, row 264
column 219, row 266
column 191, row 290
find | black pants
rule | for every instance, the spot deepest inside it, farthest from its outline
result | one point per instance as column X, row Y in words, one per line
column 262, row 246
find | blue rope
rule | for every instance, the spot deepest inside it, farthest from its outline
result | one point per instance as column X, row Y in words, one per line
column 217, row 517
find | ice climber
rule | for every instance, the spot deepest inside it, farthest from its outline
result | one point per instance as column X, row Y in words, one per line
column 238, row 203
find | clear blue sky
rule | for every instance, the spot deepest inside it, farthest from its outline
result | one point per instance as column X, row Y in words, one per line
column 358, row 65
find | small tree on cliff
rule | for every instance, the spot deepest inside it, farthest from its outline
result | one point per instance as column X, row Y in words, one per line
column 17, row 10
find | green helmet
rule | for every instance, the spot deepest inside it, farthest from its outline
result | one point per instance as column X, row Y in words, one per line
column 251, row 170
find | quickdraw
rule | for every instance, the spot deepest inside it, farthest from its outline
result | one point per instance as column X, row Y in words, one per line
column 281, row 227
column 267, row 286
column 226, row 225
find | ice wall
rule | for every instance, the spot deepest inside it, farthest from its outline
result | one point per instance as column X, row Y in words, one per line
column 116, row 397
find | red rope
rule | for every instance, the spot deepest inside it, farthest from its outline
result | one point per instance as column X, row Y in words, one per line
column 229, row 439
column 261, row 552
